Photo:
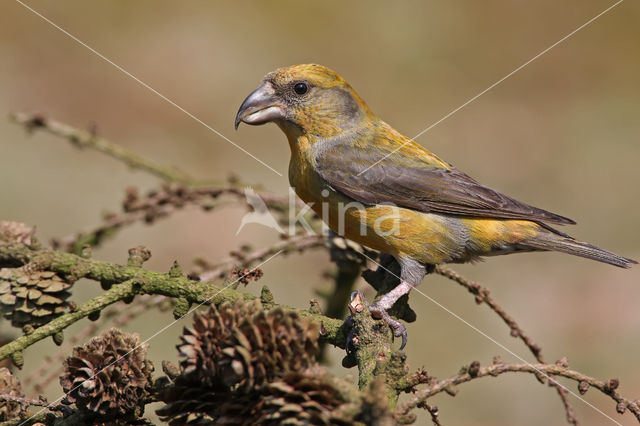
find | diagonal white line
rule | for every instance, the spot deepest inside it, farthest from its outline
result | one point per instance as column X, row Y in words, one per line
column 127, row 73
column 494, row 84
column 503, row 347
column 152, row 336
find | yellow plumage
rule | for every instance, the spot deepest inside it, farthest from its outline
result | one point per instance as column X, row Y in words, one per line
column 375, row 186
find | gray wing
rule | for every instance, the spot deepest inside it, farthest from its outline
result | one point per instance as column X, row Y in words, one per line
column 411, row 182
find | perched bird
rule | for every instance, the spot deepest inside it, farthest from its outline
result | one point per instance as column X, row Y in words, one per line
column 375, row 186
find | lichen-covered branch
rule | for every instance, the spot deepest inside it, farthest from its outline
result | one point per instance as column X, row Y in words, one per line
column 115, row 294
column 119, row 316
column 127, row 280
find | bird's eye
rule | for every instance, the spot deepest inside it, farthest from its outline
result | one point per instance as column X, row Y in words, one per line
column 300, row 88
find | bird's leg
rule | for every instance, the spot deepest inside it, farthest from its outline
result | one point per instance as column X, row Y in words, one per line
column 379, row 310
column 412, row 273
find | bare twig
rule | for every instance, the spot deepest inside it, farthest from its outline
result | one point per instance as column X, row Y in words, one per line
column 433, row 411
column 89, row 139
column 584, row 382
column 159, row 204
column 483, row 296
column 288, row 245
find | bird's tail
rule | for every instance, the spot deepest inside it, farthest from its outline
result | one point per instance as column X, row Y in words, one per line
column 565, row 244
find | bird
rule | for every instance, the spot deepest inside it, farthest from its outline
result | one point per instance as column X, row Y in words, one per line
column 373, row 185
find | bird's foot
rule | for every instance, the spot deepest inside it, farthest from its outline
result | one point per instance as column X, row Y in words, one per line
column 399, row 330
column 379, row 312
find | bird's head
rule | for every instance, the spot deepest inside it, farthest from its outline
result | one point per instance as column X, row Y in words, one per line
column 310, row 100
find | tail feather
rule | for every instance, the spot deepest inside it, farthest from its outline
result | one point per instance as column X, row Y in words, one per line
column 578, row 248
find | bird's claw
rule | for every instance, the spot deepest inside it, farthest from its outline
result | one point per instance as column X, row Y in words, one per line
column 399, row 330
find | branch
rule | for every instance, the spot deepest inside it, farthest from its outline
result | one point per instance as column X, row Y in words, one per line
column 116, row 293
column 288, row 245
column 468, row 374
column 482, row 296
column 159, row 204
column 121, row 315
column 89, row 139
column 127, row 282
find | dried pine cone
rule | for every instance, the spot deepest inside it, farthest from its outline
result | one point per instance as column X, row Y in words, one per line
column 231, row 354
column 312, row 397
column 109, row 377
column 240, row 345
column 191, row 403
column 9, row 385
column 32, row 297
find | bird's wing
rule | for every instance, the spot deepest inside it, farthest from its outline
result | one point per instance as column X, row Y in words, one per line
column 408, row 179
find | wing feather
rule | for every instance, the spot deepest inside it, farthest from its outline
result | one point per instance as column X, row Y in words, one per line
column 416, row 183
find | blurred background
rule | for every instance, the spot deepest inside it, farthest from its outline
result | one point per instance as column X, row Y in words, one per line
column 561, row 134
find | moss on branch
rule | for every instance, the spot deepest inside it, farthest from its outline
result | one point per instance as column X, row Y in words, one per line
column 127, row 281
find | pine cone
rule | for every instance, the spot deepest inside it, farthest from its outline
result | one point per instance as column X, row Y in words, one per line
column 240, row 345
column 32, row 297
column 109, row 377
column 191, row 403
column 312, row 397
column 9, row 385
column 231, row 353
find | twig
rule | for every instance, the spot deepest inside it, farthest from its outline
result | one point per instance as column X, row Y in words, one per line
column 433, row 411
column 483, row 296
column 448, row 385
column 184, row 190
column 88, row 139
column 155, row 205
column 222, row 268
